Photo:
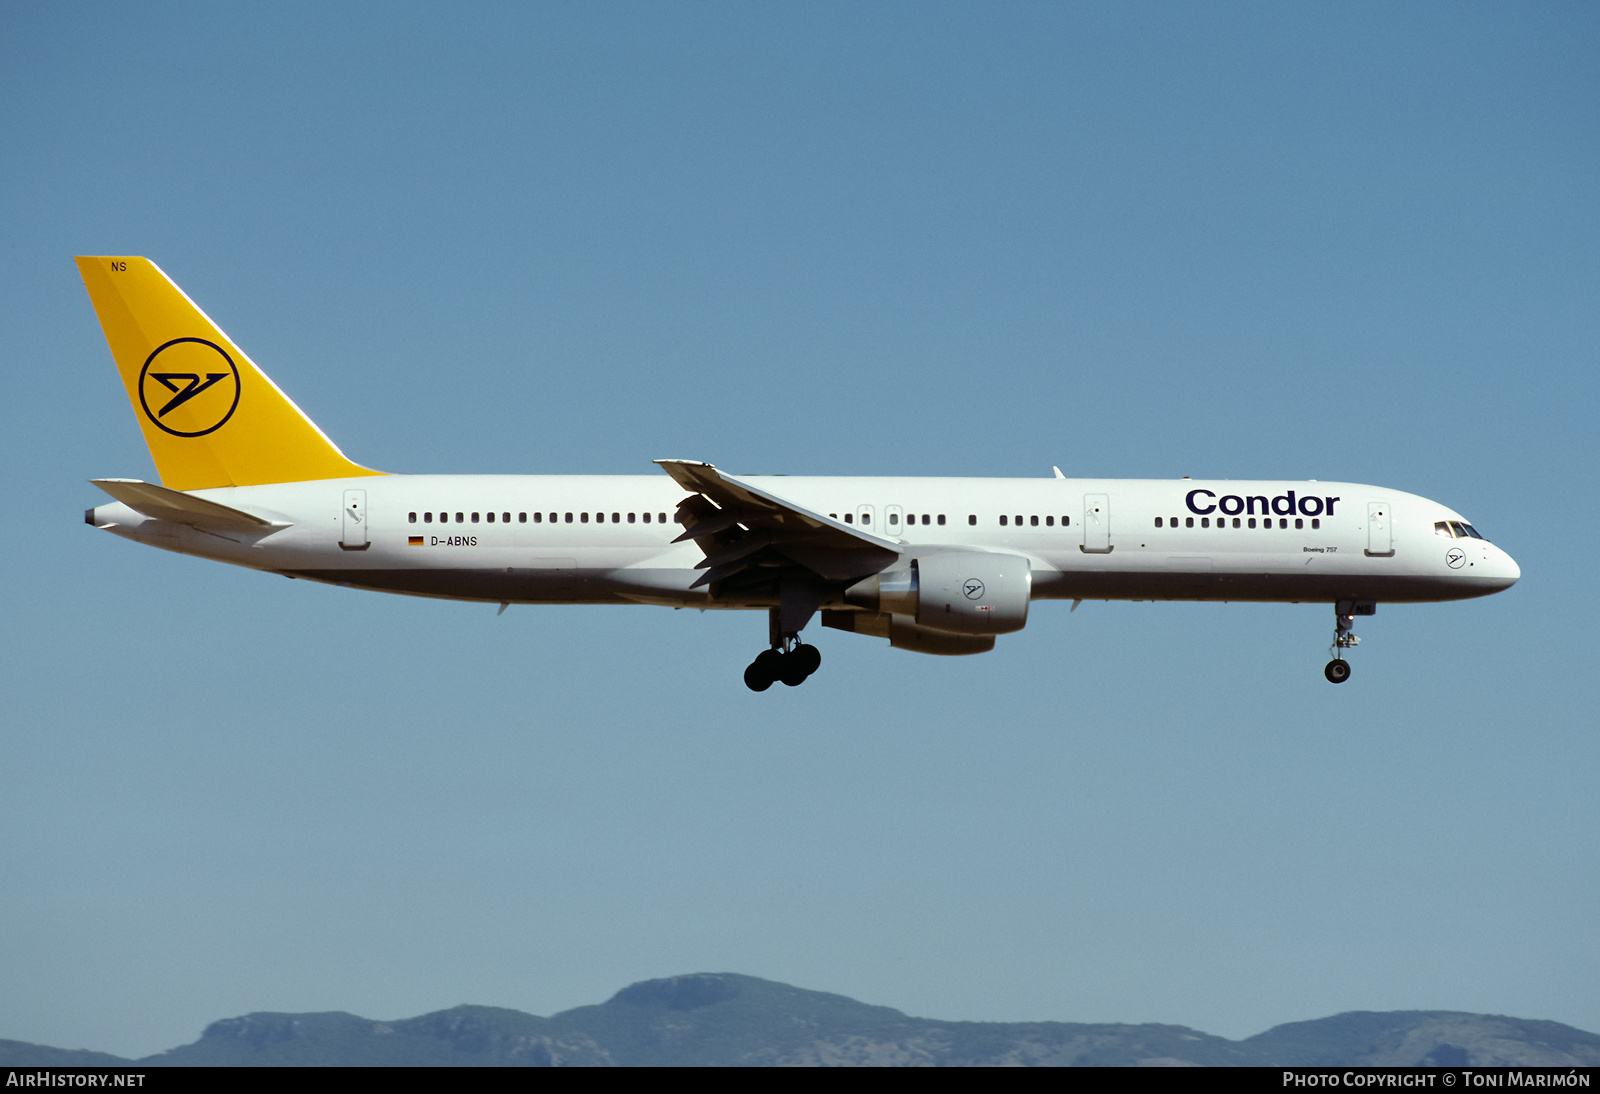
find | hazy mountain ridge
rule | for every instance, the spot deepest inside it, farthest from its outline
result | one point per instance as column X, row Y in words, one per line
column 723, row 1019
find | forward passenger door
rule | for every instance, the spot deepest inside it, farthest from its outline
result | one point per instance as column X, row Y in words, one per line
column 1380, row 529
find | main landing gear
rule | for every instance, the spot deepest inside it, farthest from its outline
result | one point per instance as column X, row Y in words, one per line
column 789, row 659
column 1344, row 618
column 791, row 662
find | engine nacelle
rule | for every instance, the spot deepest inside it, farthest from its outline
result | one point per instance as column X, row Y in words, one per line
column 955, row 591
column 904, row 634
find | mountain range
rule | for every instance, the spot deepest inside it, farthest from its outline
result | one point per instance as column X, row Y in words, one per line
column 724, row 1019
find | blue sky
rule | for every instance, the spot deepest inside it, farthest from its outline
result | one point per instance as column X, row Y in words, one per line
column 1349, row 241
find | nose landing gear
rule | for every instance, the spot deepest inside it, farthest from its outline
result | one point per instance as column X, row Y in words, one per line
column 1344, row 638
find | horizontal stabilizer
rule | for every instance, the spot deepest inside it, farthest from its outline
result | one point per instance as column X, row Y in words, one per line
column 174, row 505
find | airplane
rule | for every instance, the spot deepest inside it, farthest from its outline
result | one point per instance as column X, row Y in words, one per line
column 933, row 565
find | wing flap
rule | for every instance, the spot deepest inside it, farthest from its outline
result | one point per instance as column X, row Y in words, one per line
column 735, row 523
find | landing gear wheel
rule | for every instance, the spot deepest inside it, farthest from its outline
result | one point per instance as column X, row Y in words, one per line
column 755, row 679
column 1338, row 671
column 795, row 668
column 763, row 671
column 807, row 656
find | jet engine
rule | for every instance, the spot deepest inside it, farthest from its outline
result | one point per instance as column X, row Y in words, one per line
column 956, row 591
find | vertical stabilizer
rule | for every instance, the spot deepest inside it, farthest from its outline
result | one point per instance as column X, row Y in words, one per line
column 209, row 415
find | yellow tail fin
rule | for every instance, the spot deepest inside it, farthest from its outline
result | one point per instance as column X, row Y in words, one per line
column 210, row 417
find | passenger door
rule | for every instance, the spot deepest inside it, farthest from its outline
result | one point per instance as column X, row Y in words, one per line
column 1097, row 524
column 1380, row 529
column 354, row 534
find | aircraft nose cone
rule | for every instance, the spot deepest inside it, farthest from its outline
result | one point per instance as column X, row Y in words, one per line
column 1507, row 571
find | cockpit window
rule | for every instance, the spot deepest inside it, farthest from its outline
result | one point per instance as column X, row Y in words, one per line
column 1459, row 529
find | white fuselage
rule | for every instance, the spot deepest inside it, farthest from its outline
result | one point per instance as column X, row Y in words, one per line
column 609, row 539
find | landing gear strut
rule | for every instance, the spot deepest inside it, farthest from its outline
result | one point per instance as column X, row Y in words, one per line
column 788, row 660
column 1344, row 618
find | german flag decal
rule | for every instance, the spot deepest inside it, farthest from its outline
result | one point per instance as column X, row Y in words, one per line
column 414, row 541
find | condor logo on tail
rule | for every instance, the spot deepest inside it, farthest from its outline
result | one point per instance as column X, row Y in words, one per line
column 185, row 369
column 186, row 380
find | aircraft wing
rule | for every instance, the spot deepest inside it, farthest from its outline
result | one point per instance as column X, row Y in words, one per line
column 163, row 503
column 740, row 526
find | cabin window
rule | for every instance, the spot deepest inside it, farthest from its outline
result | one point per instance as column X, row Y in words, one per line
column 894, row 518
column 553, row 518
column 1065, row 521
column 647, row 518
column 630, row 518
column 491, row 518
column 1158, row 522
column 1205, row 522
column 1299, row 522
column 616, row 518
column 663, row 518
column 1049, row 522
column 1252, row 522
column 1002, row 520
column 849, row 518
column 1172, row 521
column 941, row 519
column 583, row 518
column 972, row 518
column 427, row 518
column 1033, row 522
column 1019, row 520
column 474, row 518
column 537, row 517
column 522, row 518
column 1315, row 523
column 460, row 518
column 411, row 518
column 1236, row 523
column 1188, row 522
column 569, row 518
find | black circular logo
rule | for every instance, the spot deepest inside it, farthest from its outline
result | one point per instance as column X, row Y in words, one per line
column 972, row 588
column 1454, row 557
column 189, row 387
